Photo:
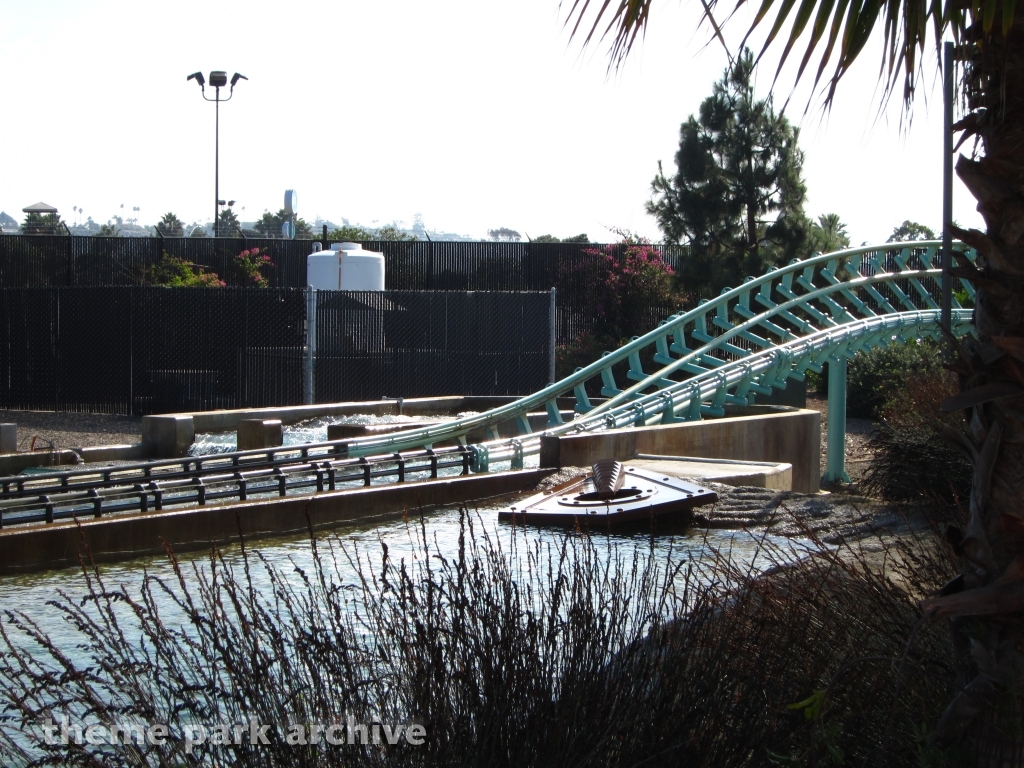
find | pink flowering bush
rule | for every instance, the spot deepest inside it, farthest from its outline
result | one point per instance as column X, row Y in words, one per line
column 629, row 288
column 173, row 272
column 248, row 264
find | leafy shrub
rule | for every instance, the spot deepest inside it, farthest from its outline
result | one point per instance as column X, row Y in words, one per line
column 247, row 265
column 913, row 461
column 580, row 352
column 629, row 287
column 178, row 273
column 881, row 374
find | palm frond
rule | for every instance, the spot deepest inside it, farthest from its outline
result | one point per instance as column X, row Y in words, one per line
column 840, row 31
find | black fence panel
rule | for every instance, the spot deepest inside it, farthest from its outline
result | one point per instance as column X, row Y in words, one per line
column 139, row 350
column 424, row 343
column 150, row 350
column 201, row 349
column 28, row 355
column 62, row 261
column 571, row 268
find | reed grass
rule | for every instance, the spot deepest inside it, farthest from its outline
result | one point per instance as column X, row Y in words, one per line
column 509, row 654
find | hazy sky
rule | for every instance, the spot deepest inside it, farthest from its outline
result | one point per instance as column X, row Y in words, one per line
column 476, row 114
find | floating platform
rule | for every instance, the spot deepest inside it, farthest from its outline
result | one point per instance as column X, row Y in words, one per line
column 612, row 493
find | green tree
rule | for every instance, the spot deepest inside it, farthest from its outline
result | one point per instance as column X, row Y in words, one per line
column 504, row 233
column 582, row 238
column 990, row 38
column 350, row 233
column 227, row 224
column 392, row 232
column 269, row 225
column 828, row 234
column 910, row 230
column 303, row 231
column 737, row 196
column 38, row 224
column 108, row 230
column 171, row 226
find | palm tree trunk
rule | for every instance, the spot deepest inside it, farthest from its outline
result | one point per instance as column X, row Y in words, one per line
column 986, row 604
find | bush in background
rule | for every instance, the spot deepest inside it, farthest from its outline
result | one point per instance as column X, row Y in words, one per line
column 179, row 273
column 913, row 461
column 630, row 288
column 248, row 264
column 881, row 374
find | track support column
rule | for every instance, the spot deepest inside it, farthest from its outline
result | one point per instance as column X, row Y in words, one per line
column 835, row 449
column 552, row 325
column 309, row 364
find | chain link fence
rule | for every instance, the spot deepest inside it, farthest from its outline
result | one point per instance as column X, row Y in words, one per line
column 420, row 343
column 51, row 261
column 139, row 350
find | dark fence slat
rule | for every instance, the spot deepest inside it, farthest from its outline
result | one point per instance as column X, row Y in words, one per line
column 43, row 261
column 138, row 350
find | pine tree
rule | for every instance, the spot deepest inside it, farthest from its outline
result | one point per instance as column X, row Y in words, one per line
column 737, row 195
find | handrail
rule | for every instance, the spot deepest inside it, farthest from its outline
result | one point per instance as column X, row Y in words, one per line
column 41, row 504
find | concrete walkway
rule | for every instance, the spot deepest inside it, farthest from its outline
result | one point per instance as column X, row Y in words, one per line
column 758, row 474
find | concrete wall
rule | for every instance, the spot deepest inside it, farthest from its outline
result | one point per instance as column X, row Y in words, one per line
column 223, row 421
column 792, row 436
column 8, row 438
column 168, row 436
column 37, row 548
column 13, row 463
column 254, row 434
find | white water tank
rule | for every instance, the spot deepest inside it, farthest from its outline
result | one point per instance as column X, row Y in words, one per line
column 345, row 267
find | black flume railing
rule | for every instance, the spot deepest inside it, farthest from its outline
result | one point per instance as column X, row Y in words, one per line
column 240, row 475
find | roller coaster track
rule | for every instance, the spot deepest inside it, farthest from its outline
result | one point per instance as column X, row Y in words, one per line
column 746, row 342
column 749, row 341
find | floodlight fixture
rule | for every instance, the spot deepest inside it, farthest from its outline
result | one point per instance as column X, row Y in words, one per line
column 218, row 79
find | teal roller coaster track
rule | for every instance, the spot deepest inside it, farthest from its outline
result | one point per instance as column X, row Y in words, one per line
column 748, row 341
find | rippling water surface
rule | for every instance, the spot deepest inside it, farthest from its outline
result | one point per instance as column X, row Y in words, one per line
column 30, row 593
column 310, row 431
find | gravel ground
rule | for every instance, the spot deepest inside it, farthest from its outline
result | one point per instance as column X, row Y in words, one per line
column 858, row 433
column 72, row 430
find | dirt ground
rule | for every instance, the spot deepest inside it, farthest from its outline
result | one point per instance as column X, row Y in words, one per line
column 72, row 430
column 858, row 434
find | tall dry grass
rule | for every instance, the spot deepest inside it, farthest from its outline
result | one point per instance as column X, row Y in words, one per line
column 508, row 654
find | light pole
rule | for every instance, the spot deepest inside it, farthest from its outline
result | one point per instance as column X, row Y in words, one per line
column 218, row 80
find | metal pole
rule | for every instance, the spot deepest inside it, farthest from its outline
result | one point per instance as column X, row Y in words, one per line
column 308, row 392
column 947, row 187
column 551, row 338
column 216, row 165
column 835, row 448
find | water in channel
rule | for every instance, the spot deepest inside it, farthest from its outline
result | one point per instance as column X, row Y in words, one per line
column 31, row 593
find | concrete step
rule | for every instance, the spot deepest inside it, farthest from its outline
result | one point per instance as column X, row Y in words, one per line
column 776, row 476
